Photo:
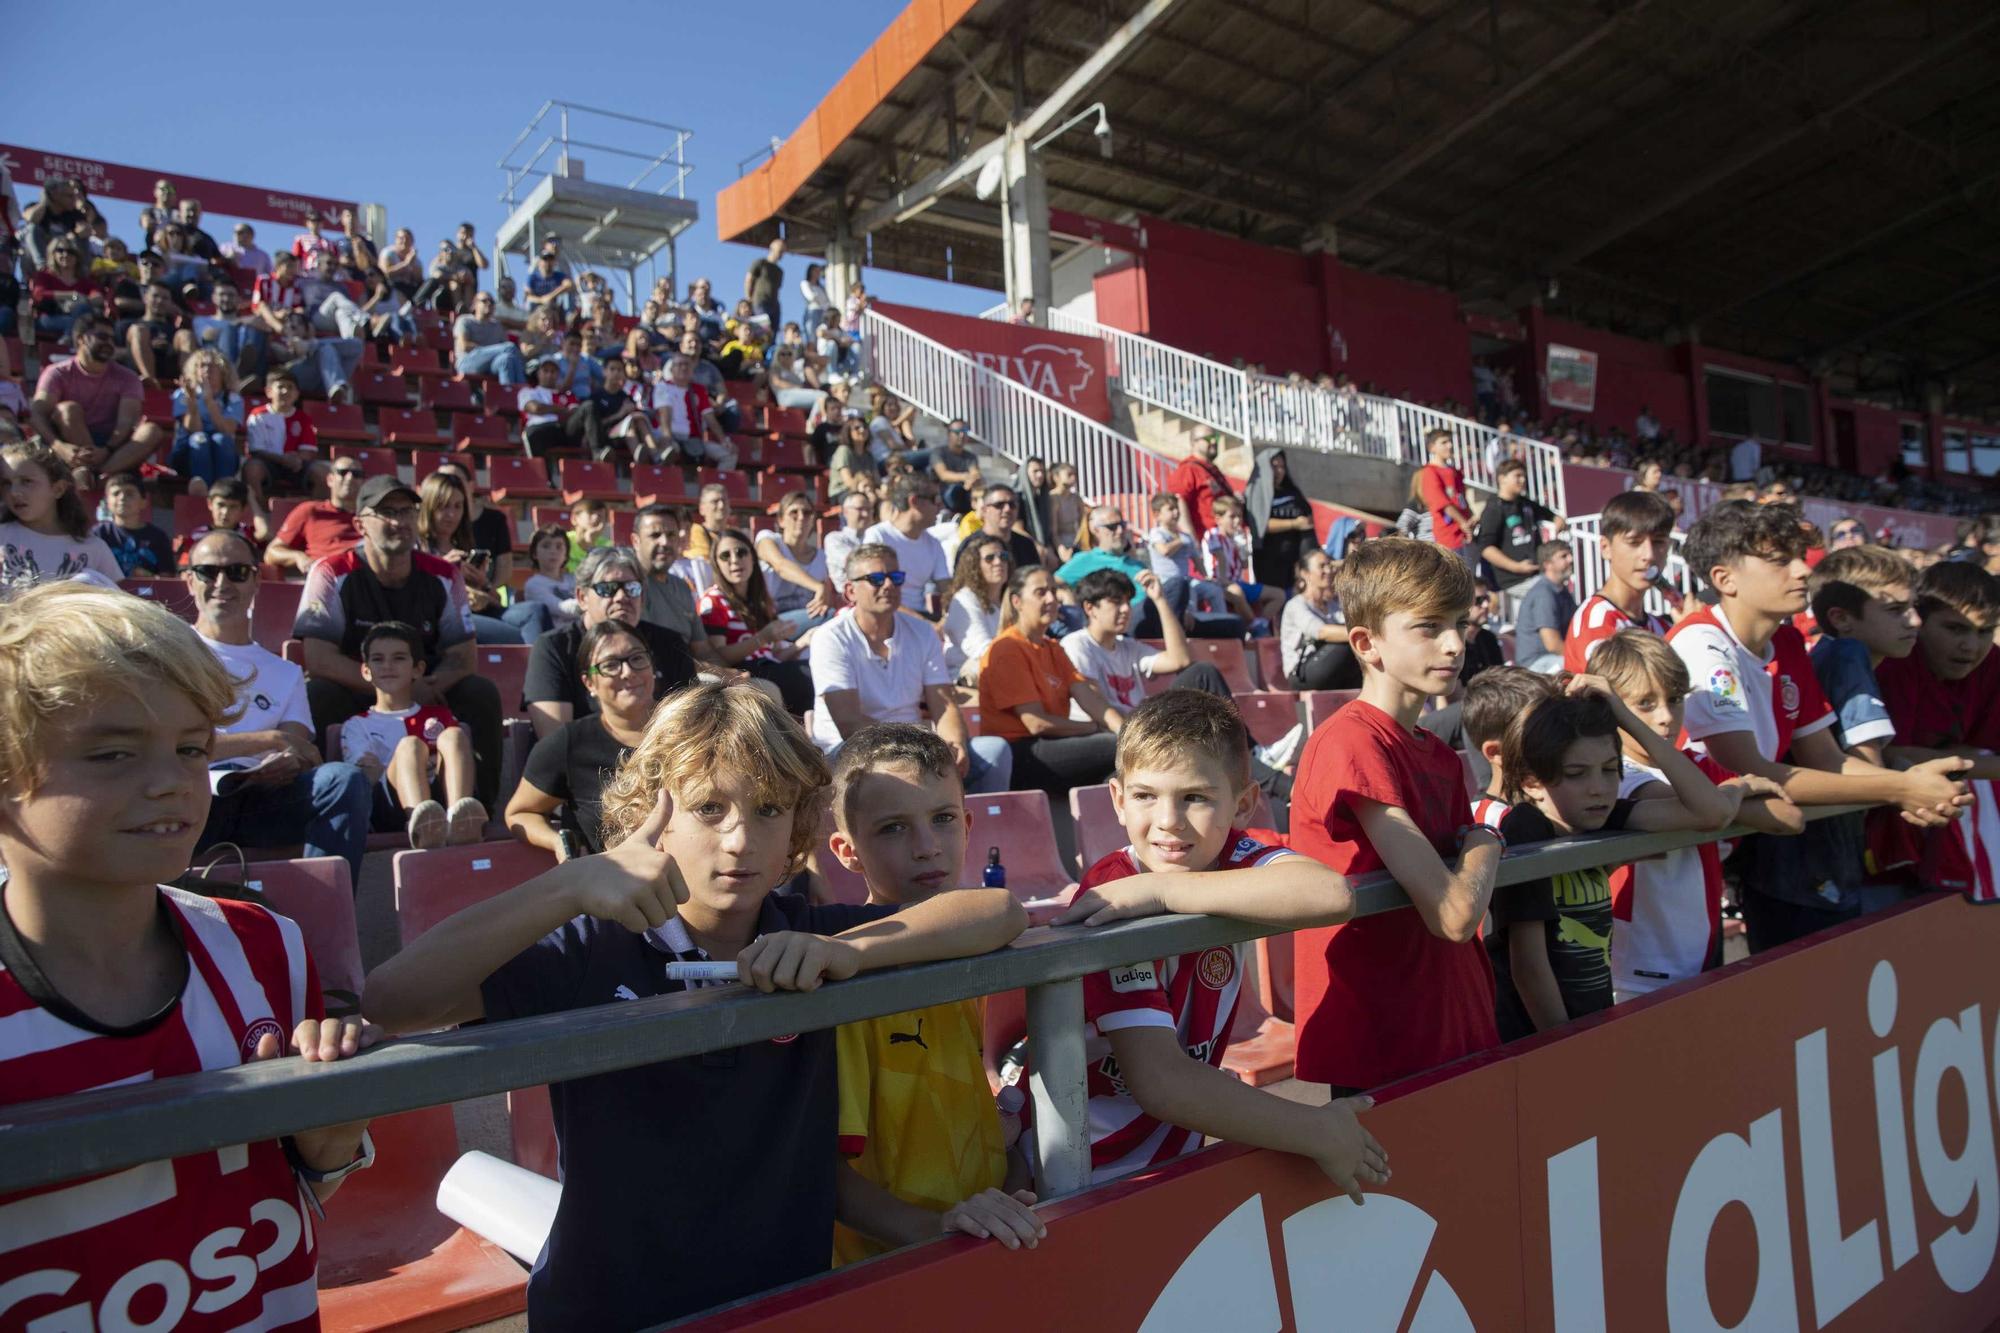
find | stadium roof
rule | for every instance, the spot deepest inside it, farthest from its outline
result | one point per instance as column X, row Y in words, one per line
column 1807, row 181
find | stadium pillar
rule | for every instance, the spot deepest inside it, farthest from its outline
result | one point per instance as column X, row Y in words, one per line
column 1025, row 226
column 843, row 262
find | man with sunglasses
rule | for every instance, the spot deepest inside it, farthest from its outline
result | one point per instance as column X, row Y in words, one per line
column 998, row 509
column 387, row 578
column 88, row 408
column 320, row 529
column 1111, row 548
column 610, row 585
column 269, row 784
column 872, row 664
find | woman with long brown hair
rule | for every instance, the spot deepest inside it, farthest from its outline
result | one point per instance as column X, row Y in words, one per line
column 444, row 526
column 745, row 629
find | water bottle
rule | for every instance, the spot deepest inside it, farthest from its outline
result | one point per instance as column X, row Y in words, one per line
column 996, row 874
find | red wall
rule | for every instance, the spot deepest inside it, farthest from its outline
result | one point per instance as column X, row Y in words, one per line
column 1410, row 340
column 1878, row 434
column 1630, row 375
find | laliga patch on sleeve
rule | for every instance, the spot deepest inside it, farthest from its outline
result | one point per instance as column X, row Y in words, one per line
column 1724, row 689
column 1134, row 977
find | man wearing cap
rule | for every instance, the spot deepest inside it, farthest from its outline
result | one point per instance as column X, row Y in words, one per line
column 309, row 242
column 1200, row 483
column 548, row 284
column 387, row 578
column 243, row 251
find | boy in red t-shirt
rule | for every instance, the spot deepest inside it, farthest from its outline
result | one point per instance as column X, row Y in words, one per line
column 1159, row 1028
column 1442, row 488
column 108, row 706
column 1635, row 535
column 1402, row 991
column 280, row 441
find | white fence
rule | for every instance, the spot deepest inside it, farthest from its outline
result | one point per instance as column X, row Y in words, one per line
column 1011, row 418
column 1269, row 410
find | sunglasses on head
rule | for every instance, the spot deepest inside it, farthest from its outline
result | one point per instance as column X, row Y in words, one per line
column 876, row 578
column 630, row 587
column 235, row 573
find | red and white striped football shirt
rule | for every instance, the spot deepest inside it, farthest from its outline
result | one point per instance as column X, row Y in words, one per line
column 1489, row 810
column 1194, row 995
column 219, row 1240
column 1597, row 620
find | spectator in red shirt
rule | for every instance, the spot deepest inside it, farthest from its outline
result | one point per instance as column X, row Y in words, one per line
column 1403, row 991
column 278, row 291
column 319, row 529
column 1442, row 487
column 1198, row 481
column 310, row 243
column 88, row 408
column 60, row 291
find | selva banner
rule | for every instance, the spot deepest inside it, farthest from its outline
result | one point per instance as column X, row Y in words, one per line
column 1061, row 366
column 1803, row 1141
column 110, row 180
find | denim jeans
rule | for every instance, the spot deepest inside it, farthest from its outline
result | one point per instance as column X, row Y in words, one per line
column 326, row 809
column 502, row 359
column 209, row 455
column 235, row 341
column 329, row 366
column 990, row 765
column 492, row 629
column 338, row 314
column 805, row 619
column 56, row 327
column 802, row 399
column 532, row 619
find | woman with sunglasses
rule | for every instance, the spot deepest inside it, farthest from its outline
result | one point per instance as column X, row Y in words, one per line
column 1027, row 686
column 972, row 614
column 745, row 630
column 558, row 804
column 609, row 589
column 60, row 291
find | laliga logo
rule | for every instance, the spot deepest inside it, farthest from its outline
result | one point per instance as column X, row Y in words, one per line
column 1351, row 1270
column 1054, row 372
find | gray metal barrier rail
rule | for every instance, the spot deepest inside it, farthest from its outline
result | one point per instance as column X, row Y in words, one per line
column 112, row 1128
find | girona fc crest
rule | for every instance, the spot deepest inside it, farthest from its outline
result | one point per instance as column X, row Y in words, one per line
column 1216, row 967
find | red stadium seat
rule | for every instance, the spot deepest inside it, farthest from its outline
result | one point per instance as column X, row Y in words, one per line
column 1229, row 658
column 423, row 462
column 511, row 477
column 506, row 665
column 339, row 421
column 786, row 421
column 374, row 462
column 477, row 430
column 157, row 405
column 381, row 387
column 388, row 1259
column 657, row 483
column 1098, row 832
column 190, row 512
column 406, row 429
column 417, row 360
column 736, row 483
column 1269, row 714
column 317, row 893
column 498, row 399
column 446, row 395
column 585, row 477
column 273, row 613
column 1319, row 705
column 1269, row 656
column 170, row 593
column 432, row 885
column 532, row 1127
column 1019, row 824
column 789, row 456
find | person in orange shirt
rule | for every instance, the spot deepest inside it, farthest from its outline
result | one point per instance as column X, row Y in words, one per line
column 1060, row 726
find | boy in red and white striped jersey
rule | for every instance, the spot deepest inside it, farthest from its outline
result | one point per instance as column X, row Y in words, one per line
column 108, row 709
column 1157, row 1029
column 1635, row 535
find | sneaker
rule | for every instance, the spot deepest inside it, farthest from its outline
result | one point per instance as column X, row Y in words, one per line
column 1284, row 751
column 467, row 821
column 428, row 826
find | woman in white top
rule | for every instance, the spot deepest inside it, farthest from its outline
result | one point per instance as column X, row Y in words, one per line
column 44, row 529
column 1311, row 634
column 552, row 585
column 972, row 616
column 813, row 291
column 795, row 565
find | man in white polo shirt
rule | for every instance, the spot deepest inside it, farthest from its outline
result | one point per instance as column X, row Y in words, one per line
column 913, row 507
column 871, row 663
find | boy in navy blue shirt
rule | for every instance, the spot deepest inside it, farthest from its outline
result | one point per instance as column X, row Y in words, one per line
column 688, row 1182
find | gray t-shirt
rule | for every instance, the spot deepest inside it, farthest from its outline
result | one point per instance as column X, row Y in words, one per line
column 669, row 603
column 478, row 332
column 1543, row 606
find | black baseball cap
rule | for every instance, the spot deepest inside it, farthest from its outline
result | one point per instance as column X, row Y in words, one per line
column 379, row 488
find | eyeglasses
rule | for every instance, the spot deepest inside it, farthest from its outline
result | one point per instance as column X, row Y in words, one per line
column 400, row 514
column 993, row 558
column 999, row 504
column 235, row 573
column 876, row 578
column 1116, row 525
column 631, row 665
column 347, row 472
column 630, row 587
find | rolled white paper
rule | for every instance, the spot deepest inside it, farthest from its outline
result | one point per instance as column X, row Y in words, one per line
column 506, row 1204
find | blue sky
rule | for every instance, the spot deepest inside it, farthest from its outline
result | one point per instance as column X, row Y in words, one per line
column 378, row 119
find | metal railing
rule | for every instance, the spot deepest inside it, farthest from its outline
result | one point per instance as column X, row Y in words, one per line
column 1269, row 410
column 1010, row 418
column 672, row 159
column 1583, row 535
column 123, row 1126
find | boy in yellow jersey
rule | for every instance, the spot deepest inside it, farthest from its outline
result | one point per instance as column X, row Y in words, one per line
column 921, row 1135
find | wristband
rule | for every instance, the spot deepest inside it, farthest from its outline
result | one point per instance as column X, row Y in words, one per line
column 1466, row 832
column 364, row 1159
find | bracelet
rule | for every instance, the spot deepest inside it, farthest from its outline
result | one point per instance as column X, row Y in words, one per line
column 1467, row 831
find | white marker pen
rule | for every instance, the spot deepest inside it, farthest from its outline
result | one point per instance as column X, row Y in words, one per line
column 701, row 971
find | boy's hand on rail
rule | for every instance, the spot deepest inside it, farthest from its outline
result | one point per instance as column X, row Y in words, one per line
column 1120, row 900
column 997, row 1215
column 323, row 1040
column 1349, row 1154
column 795, row 960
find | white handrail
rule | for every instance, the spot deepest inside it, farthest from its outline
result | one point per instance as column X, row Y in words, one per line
column 1011, row 418
column 1270, row 410
column 1583, row 539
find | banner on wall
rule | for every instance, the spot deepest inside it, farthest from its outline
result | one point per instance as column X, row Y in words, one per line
column 110, row 180
column 1061, row 366
column 1572, row 378
column 1803, row 1141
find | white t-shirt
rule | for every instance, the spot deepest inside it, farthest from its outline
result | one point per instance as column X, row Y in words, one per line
column 28, row 557
column 786, row 595
column 1667, row 936
column 1118, row 673
column 968, row 628
column 1745, row 457
column 891, row 688
column 1775, row 697
column 270, row 691
column 920, row 557
column 838, row 545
